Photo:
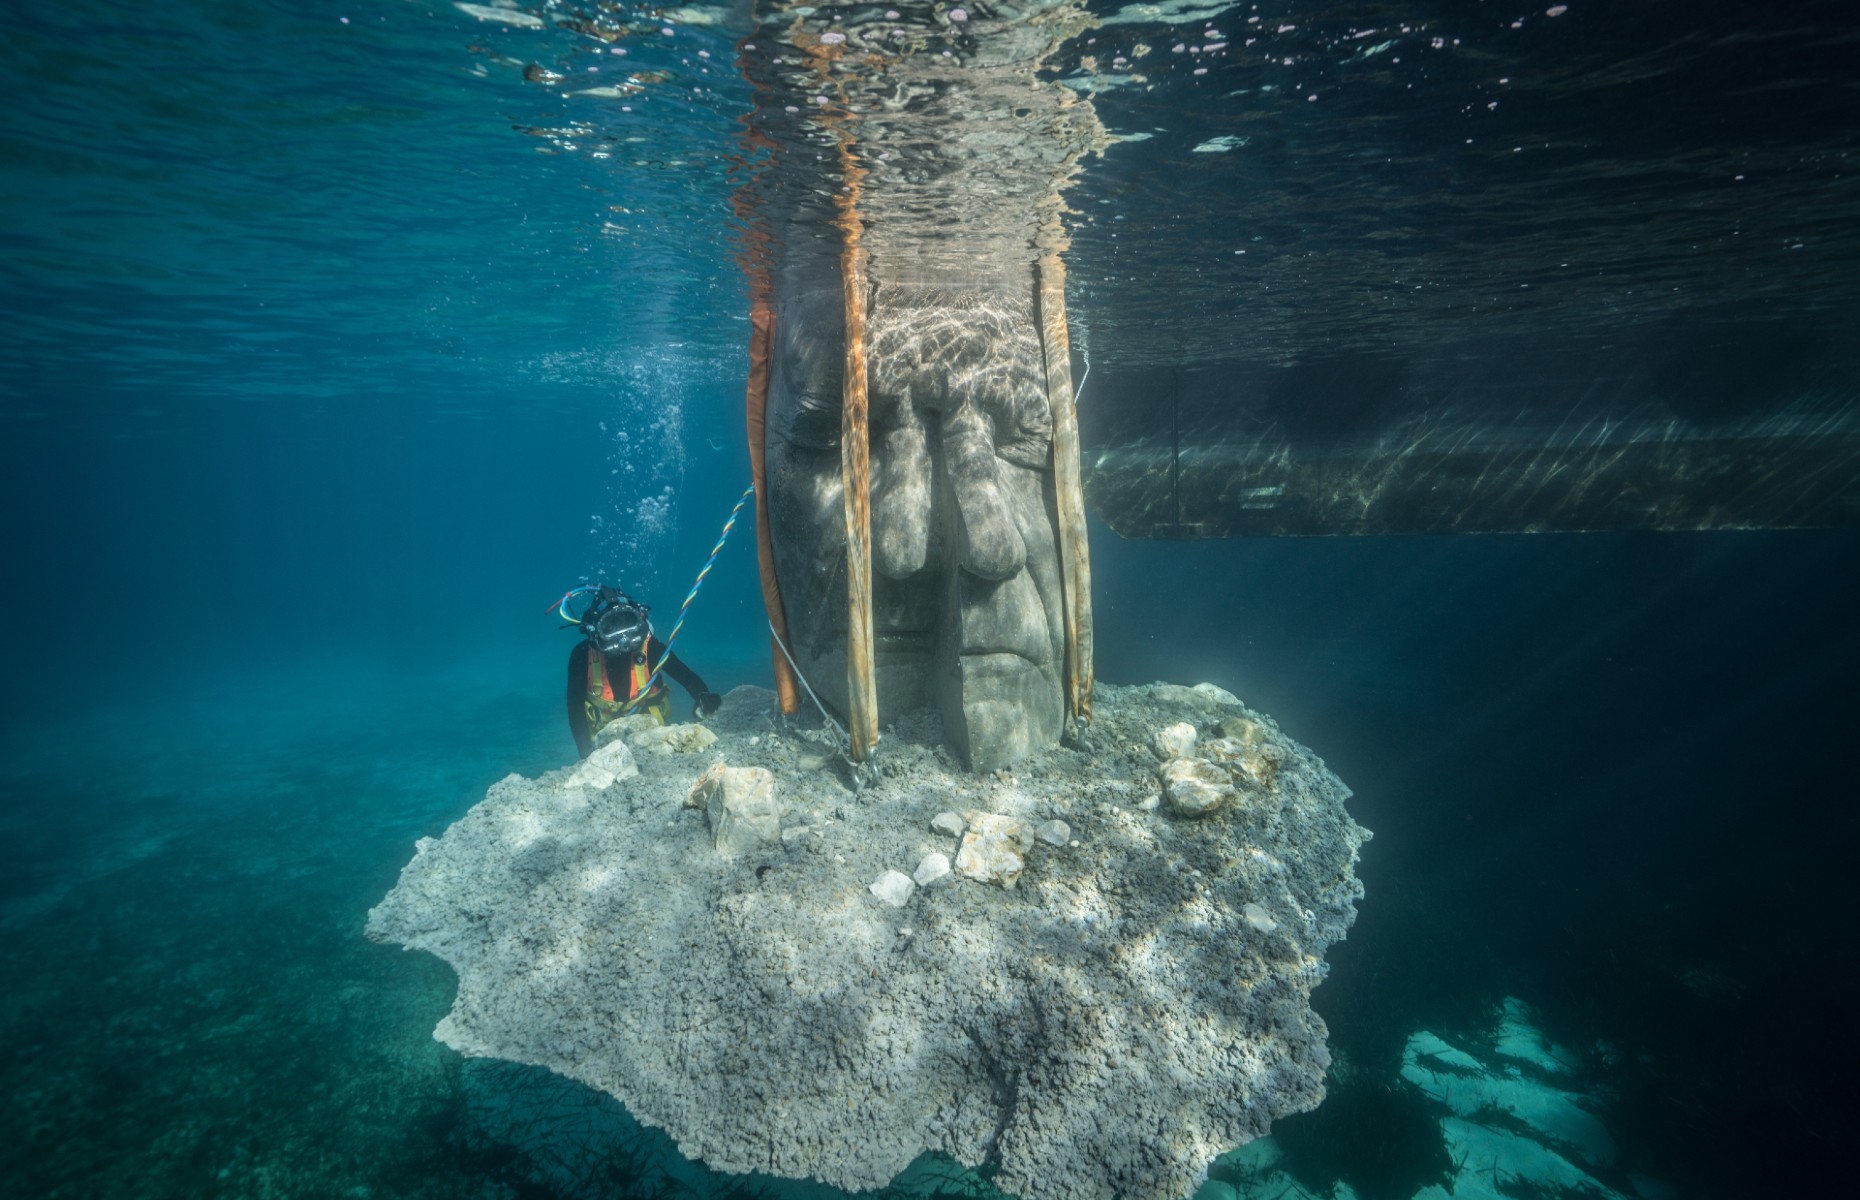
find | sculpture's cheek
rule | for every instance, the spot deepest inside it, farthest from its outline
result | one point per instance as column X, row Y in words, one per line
column 1002, row 617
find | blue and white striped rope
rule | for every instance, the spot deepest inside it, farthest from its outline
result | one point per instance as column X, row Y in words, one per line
column 696, row 584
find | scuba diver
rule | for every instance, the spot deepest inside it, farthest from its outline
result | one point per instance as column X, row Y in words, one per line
column 610, row 671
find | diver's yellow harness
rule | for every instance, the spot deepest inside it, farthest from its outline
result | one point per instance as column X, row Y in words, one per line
column 603, row 706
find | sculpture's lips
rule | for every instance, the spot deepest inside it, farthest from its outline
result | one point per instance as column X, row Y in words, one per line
column 1023, row 640
column 892, row 645
column 999, row 660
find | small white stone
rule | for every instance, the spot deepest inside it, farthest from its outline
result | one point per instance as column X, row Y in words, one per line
column 934, row 866
column 893, row 887
column 947, row 822
column 1258, row 918
column 1054, row 833
column 1174, row 741
column 605, row 766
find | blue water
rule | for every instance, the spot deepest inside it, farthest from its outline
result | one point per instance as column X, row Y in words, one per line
column 320, row 377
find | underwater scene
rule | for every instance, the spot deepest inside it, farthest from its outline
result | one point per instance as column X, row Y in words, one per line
column 1183, row 599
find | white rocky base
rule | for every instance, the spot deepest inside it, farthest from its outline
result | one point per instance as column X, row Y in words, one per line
column 1104, row 994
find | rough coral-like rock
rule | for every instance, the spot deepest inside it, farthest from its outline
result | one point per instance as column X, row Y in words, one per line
column 672, row 739
column 1197, row 787
column 994, row 850
column 739, row 803
column 624, row 729
column 604, row 767
column 1244, row 730
column 773, row 1016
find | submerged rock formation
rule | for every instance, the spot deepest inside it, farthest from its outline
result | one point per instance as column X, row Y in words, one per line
column 1102, row 1019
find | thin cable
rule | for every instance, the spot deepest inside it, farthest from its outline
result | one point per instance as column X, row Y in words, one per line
column 723, row 537
column 845, row 739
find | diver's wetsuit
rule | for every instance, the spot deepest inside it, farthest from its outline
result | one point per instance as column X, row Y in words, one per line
column 619, row 666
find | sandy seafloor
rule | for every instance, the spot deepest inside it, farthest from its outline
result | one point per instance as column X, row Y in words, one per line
column 190, row 1007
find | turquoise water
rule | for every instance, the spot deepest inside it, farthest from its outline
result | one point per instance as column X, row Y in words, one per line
column 333, row 353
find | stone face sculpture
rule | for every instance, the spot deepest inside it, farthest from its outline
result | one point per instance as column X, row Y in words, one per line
column 919, row 314
column 1097, row 996
column 967, row 592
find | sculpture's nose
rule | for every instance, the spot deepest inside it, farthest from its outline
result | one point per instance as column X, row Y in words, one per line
column 989, row 542
column 901, row 497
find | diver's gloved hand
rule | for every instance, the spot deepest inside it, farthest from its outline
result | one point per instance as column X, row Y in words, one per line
column 707, row 703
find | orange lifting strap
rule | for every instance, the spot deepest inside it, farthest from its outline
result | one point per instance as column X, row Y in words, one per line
column 761, row 332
